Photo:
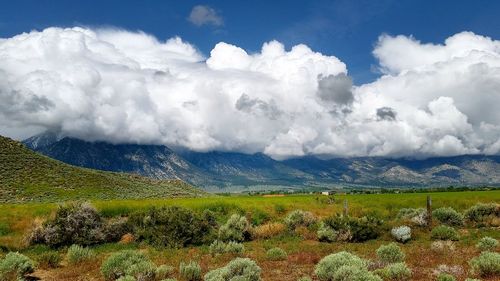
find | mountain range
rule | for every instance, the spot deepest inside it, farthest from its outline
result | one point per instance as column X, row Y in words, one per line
column 231, row 171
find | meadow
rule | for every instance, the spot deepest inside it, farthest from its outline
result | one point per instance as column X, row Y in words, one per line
column 303, row 249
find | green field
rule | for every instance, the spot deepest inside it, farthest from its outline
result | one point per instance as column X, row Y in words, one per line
column 303, row 248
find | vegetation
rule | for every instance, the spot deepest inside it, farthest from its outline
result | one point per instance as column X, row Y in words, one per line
column 487, row 264
column 401, row 233
column 15, row 266
column 487, row 244
column 449, row 216
column 238, row 269
column 128, row 263
column 237, row 228
column 443, row 232
column 26, row 176
column 77, row 254
column 190, row 271
column 276, row 254
column 390, row 253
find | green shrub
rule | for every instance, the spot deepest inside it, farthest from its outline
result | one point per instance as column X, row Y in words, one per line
column 353, row 229
column 237, row 228
column 259, row 217
column 128, row 262
column 416, row 216
column 74, row 223
column 443, row 232
column 126, row 278
column 219, row 247
column 169, row 279
column 15, row 266
column 169, row 227
column 190, row 271
column 298, row 218
column 445, row 277
column 487, row 264
column 354, row 273
column 487, row 244
column 397, row 272
column 279, row 209
column 77, row 254
column 401, row 234
column 326, row 233
column 49, row 259
column 390, row 253
column 479, row 212
column 276, row 254
column 164, row 271
column 448, row 216
column 328, row 266
column 242, row 269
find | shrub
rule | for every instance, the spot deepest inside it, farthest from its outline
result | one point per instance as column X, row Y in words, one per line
column 190, row 271
column 219, row 247
column 326, row 233
column 353, row 229
column 299, row 218
column 49, row 259
column 448, row 216
column 237, row 228
column 416, row 216
column 127, row 262
column 445, row 277
column 15, row 266
column 443, row 232
column 304, row 278
column 328, row 266
column 487, row 244
column 259, row 217
column 487, row 264
column 354, row 273
column 268, row 230
column 169, row 227
column 279, row 209
column 443, row 246
column 479, row 212
column 390, row 253
column 401, row 233
column 276, row 254
column 472, row 279
column 242, row 269
column 126, row 278
column 164, row 271
column 397, row 272
column 77, row 254
column 74, row 223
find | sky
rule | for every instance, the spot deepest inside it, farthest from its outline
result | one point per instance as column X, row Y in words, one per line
column 286, row 78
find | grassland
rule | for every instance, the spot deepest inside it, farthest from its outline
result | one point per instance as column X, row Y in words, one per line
column 303, row 249
column 26, row 176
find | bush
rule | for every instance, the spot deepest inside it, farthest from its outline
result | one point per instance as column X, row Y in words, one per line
column 448, row 216
column 487, row 264
column 445, row 277
column 299, row 218
column 304, row 278
column 164, row 271
column 487, row 244
column 390, row 253
column 126, row 278
column 479, row 212
column 49, row 259
column 401, row 234
column 397, row 272
column 15, row 266
column 354, row 273
column 237, row 228
column 268, row 230
column 416, row 216
column 443, row 232
column 326, row 233
column 276, row 254
column 169, row 227
column 128, row 262
column 328, row 266
column 242, row 269
column 472, row 279
column 443, row 246
column 259, row 217
column 74, row 223
column 352, row 229
column 219, row 247
column 77, row 254
column 190, row 271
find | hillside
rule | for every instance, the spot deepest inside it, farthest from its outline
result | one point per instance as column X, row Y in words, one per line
column 29, row 176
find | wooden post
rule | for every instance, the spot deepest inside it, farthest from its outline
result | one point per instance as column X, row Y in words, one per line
column 345, row 208
column 429, row 211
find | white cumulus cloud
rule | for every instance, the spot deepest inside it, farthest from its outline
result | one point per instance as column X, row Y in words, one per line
column 129, row 87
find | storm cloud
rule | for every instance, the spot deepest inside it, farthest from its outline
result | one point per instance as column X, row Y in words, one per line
column 130, row 87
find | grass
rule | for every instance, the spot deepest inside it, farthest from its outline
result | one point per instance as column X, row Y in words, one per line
column 26, row 176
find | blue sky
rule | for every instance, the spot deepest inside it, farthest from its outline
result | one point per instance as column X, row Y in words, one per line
column 346, row 29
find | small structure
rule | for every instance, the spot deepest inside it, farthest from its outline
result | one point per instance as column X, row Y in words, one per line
column 327, row 193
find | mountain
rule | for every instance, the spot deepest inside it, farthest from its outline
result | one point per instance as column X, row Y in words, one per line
column 29, row 176
column 231, row 171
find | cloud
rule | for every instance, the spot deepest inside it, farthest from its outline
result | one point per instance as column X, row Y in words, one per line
column 129, row 87
column 204, row 15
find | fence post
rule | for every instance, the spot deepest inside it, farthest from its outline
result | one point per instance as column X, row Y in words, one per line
column 345, row 208
column 429, row 211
